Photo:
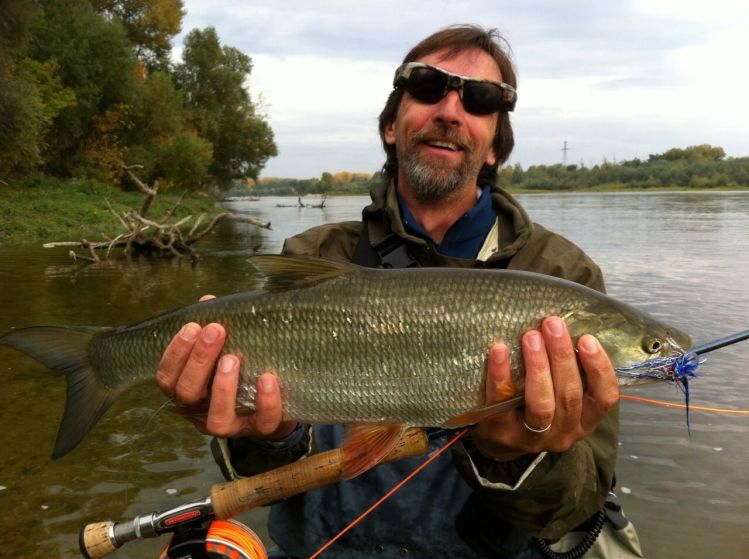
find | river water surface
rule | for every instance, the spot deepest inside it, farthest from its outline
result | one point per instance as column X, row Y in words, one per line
column 684, row 257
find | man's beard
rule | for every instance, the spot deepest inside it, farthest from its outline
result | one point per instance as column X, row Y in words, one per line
column 435, row 179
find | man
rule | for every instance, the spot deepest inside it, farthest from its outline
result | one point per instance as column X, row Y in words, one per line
column 541, row 470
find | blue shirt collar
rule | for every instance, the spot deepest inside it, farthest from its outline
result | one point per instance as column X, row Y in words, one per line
column 466, row 236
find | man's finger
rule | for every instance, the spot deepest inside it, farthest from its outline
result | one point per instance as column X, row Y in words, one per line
column 192, row 384
column 602, row 386
column 268, row 407
column 222, row 415
column 565, row 374
column 498, row 374
column 539, row 389
column 175, row 357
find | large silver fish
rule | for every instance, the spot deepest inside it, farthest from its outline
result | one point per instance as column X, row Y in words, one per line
column 356, row 345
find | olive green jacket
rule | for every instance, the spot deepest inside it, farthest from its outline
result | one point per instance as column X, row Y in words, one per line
column 546, row 495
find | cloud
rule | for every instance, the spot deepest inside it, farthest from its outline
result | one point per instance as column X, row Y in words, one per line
column 618, row 79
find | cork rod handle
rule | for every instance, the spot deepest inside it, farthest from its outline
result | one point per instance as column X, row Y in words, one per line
column 318, row 470
column 95, row 541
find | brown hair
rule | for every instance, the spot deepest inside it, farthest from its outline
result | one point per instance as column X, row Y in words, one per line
column 459, row 38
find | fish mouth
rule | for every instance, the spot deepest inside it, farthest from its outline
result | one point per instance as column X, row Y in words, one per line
column 678, row 368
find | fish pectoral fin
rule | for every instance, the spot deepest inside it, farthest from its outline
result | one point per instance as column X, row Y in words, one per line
column 367, row 444
column 477, row 415
column 287, row 272
column 200, row 409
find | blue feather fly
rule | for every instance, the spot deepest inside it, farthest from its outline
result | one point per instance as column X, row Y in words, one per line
column 677, row 368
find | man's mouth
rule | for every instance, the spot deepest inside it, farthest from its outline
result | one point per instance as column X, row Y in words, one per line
column 441, row 144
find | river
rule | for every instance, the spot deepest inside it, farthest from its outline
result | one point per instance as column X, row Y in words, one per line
column 684, row 257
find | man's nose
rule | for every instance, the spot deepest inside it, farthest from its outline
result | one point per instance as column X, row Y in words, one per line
column 450, row 109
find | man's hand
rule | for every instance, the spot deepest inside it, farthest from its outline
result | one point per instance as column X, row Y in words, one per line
column 558, row 410
column 185, row 373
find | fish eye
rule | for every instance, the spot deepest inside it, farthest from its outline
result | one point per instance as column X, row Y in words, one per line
column 652, row 345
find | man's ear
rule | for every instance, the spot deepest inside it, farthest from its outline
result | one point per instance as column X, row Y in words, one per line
column 390, row 134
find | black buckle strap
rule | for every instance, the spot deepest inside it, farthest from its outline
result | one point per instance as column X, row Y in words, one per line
column 394, row 254
column 390, row 253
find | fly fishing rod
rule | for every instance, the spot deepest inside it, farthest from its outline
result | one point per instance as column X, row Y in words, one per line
column 721, row 342
column 228, row 499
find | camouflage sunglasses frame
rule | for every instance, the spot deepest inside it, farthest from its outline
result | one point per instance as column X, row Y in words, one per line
column 428, row 84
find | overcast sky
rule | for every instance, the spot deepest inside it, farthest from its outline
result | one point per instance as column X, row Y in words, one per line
column 616, row 80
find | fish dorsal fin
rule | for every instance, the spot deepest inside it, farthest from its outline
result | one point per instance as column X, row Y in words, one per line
column 286, row 272
column 367, row 444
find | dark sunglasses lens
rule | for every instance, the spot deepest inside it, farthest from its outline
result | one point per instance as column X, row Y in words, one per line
column 482, row 98
column 426, row 85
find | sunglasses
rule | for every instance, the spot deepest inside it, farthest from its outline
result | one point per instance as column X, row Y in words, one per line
column 428, row 84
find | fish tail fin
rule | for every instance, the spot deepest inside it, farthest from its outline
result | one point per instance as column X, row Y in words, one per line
column 65, row 349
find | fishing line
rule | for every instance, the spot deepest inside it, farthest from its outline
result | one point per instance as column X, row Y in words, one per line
column 227, row 536
column 387, row 495
column 681, row 406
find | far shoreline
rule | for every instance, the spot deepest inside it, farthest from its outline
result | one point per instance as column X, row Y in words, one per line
column 55, row 210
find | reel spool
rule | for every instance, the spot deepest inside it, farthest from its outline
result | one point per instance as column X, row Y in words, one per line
column 223, row 539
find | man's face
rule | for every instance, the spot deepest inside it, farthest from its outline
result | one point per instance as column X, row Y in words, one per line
column 441, row 148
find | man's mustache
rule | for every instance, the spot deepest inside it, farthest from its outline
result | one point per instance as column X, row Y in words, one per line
column 443, row 133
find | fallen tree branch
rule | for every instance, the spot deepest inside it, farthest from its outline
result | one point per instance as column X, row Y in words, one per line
column 159, row 236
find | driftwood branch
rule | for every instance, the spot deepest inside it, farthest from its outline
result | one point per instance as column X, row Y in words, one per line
column 300, row 204
column 149, row 191
column 160, row 236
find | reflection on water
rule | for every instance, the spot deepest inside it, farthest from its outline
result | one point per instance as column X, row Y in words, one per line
column 683, row 257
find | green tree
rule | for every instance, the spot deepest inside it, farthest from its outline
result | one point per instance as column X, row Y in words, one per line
column 97, row 64
column 160, row 141
column 21, row 124
column 150, row 25
column 211, row 78
column 701, row 153
column 184, row 159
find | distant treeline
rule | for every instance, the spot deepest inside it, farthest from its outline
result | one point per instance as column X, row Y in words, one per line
column 338, row 183
column 702, row 166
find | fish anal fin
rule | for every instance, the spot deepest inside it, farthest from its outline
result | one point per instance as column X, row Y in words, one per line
column 286, row 272
column 367, row 444
column 477, row 415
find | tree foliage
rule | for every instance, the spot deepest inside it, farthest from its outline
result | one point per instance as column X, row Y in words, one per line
column 86, row 87
column 342, row 182
column 150, row 25
column 701, row 166
column 22, row 122
column 211, row 78
column 97, row 64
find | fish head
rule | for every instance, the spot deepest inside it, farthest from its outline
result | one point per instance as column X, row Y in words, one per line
column 641, row 348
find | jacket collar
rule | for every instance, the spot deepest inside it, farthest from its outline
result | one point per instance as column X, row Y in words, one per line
column 383, row 219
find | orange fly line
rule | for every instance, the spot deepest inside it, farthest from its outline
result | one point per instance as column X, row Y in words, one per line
column 681, row 406
column 387, row 495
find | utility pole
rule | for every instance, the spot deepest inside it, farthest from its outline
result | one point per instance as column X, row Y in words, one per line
column 565, row 149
